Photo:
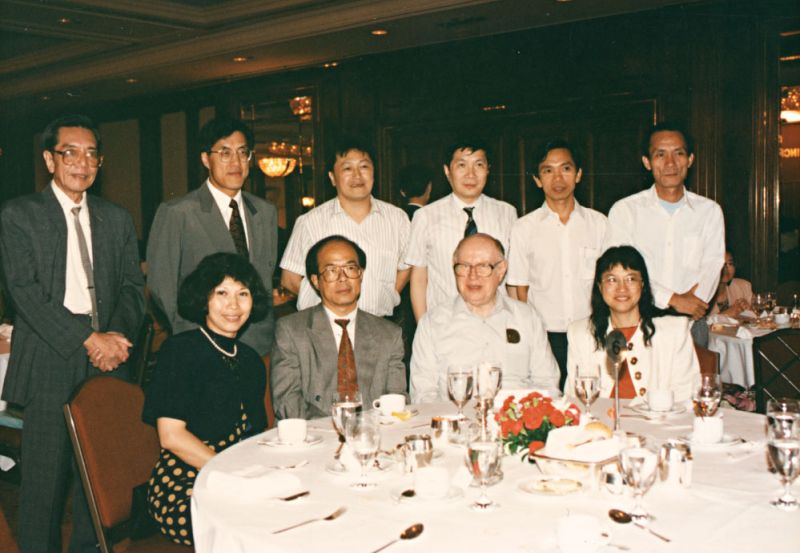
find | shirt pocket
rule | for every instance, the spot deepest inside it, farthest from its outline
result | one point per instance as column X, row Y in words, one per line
column 691, row 257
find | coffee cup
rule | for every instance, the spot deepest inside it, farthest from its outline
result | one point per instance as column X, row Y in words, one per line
column 580, row 534
column 660, row 400
column 292, row 431
column 781, row 315
column 390, row 403
column 432, row 482
column 707, row 430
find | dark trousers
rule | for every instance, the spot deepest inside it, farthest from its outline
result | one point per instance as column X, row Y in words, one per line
column 558, row 345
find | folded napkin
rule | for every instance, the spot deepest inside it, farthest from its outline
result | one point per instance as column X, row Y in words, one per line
column 254, row 483
column 748, row 314
column 744, row 333
column 722, row 320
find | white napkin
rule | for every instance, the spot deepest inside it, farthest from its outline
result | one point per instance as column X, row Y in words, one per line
column 744, row 333
column 6, row 463
column 722, row 319
column 254, row 483
column 748, row 314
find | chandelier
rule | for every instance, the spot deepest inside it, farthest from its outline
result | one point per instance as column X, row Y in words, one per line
column 275, row 166
column 301, row 107
column 790, row 104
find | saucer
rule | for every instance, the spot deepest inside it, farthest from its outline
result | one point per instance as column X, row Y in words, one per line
column 728, row 440
column 274, row 441
column 452, row 494
column 677, row 409
column 549, row 485
column 408, row 414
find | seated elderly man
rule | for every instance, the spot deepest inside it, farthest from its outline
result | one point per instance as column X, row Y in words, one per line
column 334, row 347
column 480, row 324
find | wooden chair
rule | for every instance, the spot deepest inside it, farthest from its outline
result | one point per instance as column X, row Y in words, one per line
column 7, row 543
column 776, row 363
column 709, row 360
column 115, row 452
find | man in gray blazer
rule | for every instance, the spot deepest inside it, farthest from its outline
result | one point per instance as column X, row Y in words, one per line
column 305, row 368
column 70, row 263
column 207, row 220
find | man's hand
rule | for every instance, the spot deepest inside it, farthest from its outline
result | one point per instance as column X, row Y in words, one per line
column 107, row 350
column 689, row 304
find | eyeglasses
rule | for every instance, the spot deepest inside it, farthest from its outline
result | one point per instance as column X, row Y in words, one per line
column 481, row 269
column 331, row 273
column 628, row 281
column 226, row 154
column 72, row 156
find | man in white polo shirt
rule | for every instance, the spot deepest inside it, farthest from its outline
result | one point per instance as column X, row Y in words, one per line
column 378, row 227
column 680, row 234
column 554, row 248
column 438, row 227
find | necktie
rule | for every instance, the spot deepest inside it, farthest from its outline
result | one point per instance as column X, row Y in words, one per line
column 237, row 230
column 346, row 382
column 472, row 226
column 87, row 263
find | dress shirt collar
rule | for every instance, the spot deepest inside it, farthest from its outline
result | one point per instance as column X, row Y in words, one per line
column 459, row 205
column 547, row 213
column 339, row 210
column 65, row 202
column 350, row 317
column 222, row 200
column 653, row 197
column 460, row 306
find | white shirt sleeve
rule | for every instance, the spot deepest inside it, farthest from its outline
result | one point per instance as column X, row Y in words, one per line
column 544, row 373
column 518, row 267
column 417, row 252
column 424, row 364
column 294, row 257
column 713, row 254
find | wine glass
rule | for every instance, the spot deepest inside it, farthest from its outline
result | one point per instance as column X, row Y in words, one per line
column 707, row 395
column 460, row 382
column 759, row 304
column 587, row 387
column 483, row 459
column 639, row 467
column 772, row 301
column 344, row 406
column 783, row 415
column 784, row 453
column 487, row 385
column 363, row 435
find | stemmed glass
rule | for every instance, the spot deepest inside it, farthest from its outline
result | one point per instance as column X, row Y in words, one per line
column 363, row 435
column 483, row 459
column 783, row 415
column 639, row 467
column 460, row 382
column 488, row 377
column 343, row 407
column 707, row 395
column 783, row 446
column 587, row 387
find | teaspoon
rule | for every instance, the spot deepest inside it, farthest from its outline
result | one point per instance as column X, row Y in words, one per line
column 624, row 518
column 408, row 534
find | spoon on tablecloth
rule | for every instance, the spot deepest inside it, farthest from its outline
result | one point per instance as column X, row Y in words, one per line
column 333, row 516
column 408, row 534
column 624, row 518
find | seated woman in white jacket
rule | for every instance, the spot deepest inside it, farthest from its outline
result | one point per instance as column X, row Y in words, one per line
column 660, row 354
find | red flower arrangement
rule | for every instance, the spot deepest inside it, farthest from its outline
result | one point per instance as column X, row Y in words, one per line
column 524, row 425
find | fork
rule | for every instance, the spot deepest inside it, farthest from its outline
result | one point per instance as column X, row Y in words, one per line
column 333, row 516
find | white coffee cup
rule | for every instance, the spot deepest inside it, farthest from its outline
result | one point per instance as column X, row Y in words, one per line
column 660, row 400
column 707, row 430
column 432, row 482
column 579, row 534
column 781, row 315
column 292, row 431
column 390, row 403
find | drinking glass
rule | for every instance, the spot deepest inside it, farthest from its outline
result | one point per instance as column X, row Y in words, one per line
column 490, row 376
column 707, row 395
column 460, row 382
column 343, row 406
column 639, row 467
column 783, row 417
column 759, row 304
column 772, row 301
column 362, row 432
column 483, row 458
column 784, row 453
column 587, row 387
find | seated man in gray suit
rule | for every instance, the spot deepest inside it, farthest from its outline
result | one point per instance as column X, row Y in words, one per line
column 334, row 347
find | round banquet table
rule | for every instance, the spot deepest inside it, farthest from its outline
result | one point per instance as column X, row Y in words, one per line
column 725, row 509
column 735, row 356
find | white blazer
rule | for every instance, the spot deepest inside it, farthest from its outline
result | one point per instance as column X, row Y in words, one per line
column 668, row 363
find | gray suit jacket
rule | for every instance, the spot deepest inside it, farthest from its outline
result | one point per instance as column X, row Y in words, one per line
column 33, row 253
column 189, row 228
column 304, row 362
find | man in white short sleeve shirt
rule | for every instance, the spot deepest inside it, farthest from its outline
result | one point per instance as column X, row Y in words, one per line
column 378, row 227
column 480, row 324
column 438, row 227
column 680, row 234
column 554, row 248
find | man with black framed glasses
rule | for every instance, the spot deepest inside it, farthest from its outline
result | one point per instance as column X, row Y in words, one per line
column 219, row 216
column 334, row 347
column 481, row 325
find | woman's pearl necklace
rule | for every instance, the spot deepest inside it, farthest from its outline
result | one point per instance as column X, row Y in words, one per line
column 216, row 346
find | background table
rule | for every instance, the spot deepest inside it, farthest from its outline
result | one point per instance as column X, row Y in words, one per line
column 726, row 509
column 735, row 357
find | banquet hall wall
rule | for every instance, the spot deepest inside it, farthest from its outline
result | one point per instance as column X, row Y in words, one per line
column 599, row 83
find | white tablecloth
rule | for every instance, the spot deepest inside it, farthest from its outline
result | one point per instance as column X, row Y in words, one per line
column 735, row 357
column 726, row 509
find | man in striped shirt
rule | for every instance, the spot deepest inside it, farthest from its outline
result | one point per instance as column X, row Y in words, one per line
column 378, row 227
column 438, row 227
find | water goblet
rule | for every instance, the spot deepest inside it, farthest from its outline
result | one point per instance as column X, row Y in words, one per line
column 783, row 417
column 362, row 432
column 483, row 459
column 587, row 388
column 639, row 466
column 759, row 304
column 343, row 406
column 489, row 377
column 784, row 454
column 460, row 381
column 707, row 395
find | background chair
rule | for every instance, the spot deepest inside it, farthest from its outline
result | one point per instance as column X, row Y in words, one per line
column 776, row 363
column 7, row 543
column 115, row 452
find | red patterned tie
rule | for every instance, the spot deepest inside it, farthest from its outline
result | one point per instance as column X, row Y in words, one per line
column 346, row 383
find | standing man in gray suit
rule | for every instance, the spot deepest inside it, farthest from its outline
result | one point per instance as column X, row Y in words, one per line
column 316, row 348
column 217, row 217
column 70, row 263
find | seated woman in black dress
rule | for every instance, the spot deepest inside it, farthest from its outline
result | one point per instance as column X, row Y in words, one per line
column 208, row 388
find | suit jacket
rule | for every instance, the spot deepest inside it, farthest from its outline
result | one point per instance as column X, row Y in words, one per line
column 33, row 253
column 668, row 363
column 189, row 228
column 304, row 362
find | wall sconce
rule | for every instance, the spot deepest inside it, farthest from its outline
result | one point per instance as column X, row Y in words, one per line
column 307, row 202
column 277, row 166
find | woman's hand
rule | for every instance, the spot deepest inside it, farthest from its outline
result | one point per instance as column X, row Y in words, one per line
column 173, row 435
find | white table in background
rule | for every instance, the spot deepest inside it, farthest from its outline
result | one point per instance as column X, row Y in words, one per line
column 726, row 509
column 735, row 357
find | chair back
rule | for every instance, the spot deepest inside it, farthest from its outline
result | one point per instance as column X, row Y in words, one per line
column 776, row 363
column 7, row 542
column 709, row 360
column 115, row 451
